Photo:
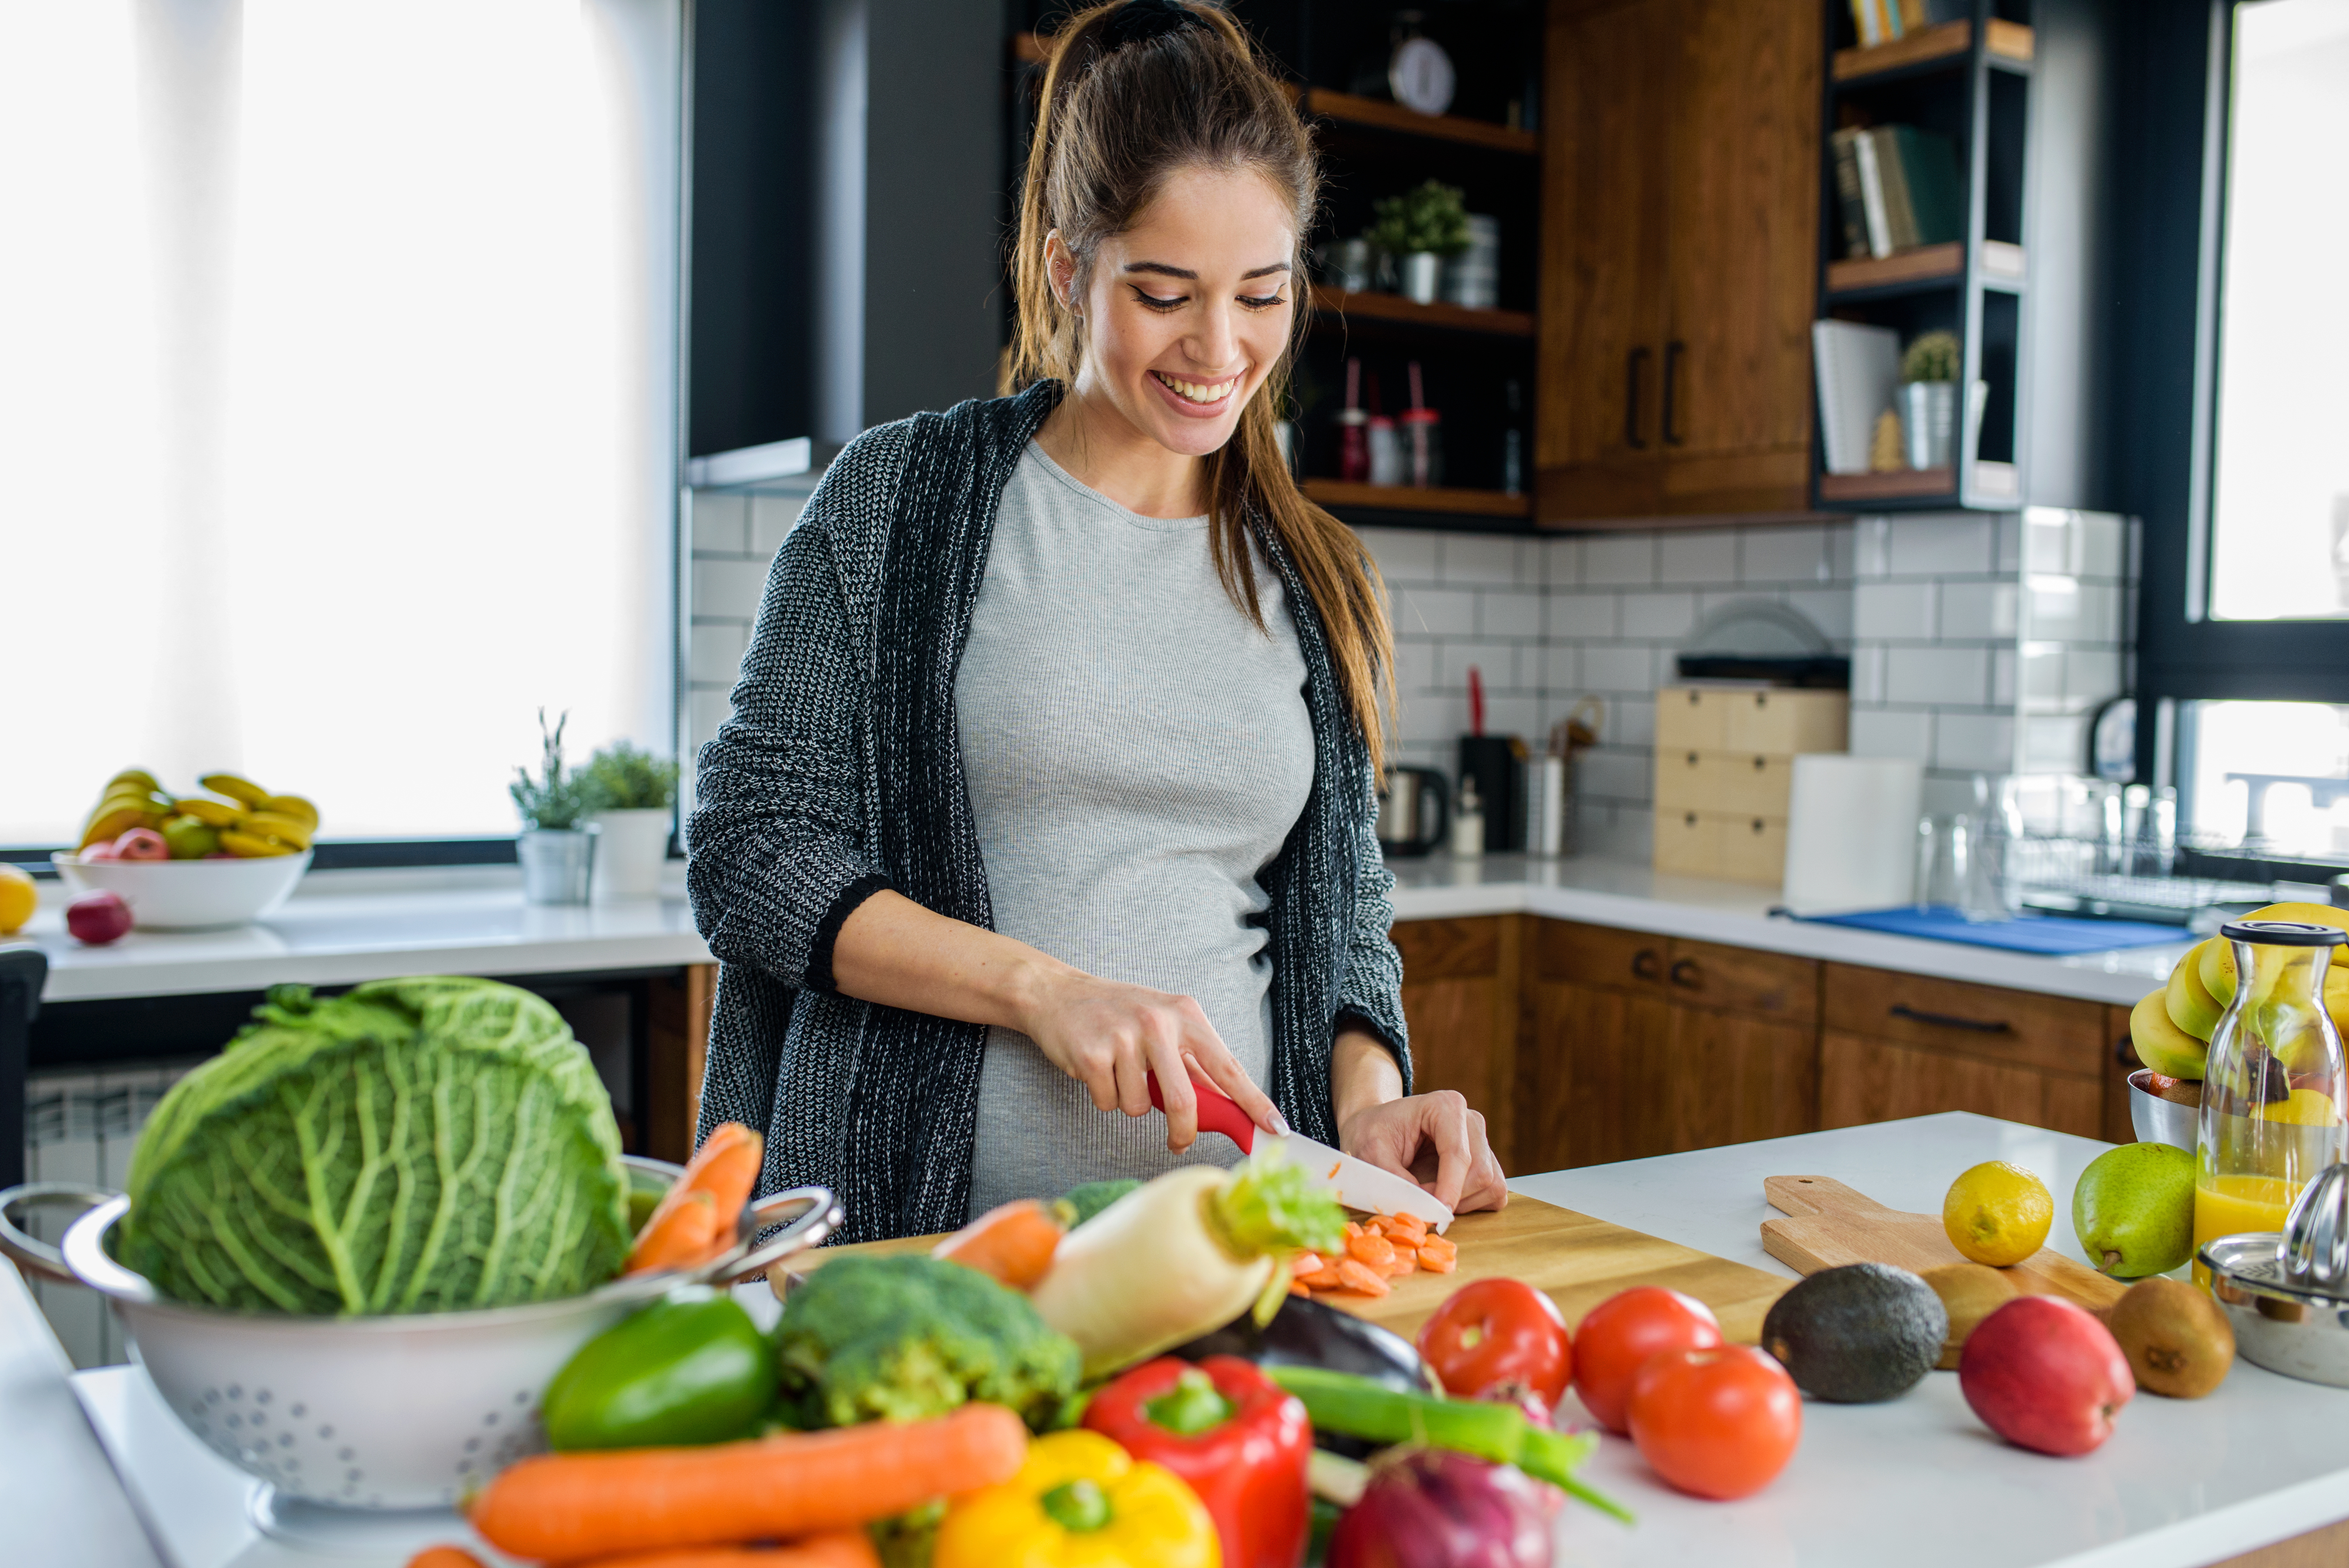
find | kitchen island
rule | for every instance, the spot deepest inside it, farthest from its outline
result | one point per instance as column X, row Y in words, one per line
column 1917, row 1481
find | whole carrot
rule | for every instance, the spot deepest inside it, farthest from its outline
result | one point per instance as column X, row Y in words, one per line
column 1013, row 1243
column 842, row 1549
column 723, row 1173
column 570, row 1508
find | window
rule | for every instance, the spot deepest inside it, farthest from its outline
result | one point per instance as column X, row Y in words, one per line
column 338, row 415
column 2279, row 535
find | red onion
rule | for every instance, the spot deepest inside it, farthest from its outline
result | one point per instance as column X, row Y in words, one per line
column 1513, row 1391
column 1425, row 1508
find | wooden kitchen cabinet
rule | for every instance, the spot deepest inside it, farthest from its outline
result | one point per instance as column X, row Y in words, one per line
column 1904, row 1045
column 1462, row 997
column 1645, row 1045
column 1680, row 233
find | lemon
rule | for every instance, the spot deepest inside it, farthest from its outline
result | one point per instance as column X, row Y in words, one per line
column 18, row 899
column 2306, row 1107
column 1998, row 1213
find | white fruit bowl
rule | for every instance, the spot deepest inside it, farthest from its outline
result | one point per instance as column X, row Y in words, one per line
column 188, row 895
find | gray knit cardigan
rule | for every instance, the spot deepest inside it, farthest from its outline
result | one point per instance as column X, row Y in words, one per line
column 840, row 773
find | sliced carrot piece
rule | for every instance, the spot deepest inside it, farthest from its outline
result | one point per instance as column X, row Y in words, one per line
column 1308, row 1263
column 1404, row 1262
column 1356, row 1276
column 1376, row 1250
column 1323, row 1278
column 723, row 1173
column 1448, row 1248
column 1298, row 1287
column 1436, row 1262
column 1410, row 1227
column 678, row 1238
column 1353, row 1230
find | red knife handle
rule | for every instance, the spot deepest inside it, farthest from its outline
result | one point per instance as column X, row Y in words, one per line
column 1218, row 1112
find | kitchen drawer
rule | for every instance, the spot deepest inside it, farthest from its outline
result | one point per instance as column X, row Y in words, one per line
column 1781, row 723
column 1688, row 780
column 1688, row 844
column 1692, row 718
column 1600, row 955
column 1448, row 949
column 1739, row 979
column 1750, row 848
column 1864, row 1080
column 2052, row 1033
column 1751, row 783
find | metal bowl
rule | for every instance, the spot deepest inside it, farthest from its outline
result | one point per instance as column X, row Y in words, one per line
column 2159, row 1120
column 393, row 1412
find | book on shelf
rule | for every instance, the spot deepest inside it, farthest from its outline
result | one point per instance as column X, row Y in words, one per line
column 1881, row 21
column 1896, row 188
column 1855, row 366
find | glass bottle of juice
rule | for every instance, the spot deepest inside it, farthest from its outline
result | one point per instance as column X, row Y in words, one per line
column 2274, row 1095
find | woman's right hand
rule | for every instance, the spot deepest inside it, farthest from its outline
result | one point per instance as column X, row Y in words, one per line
column 1110, row 1037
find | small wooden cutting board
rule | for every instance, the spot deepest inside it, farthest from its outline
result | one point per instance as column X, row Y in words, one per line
column 1826, row 1224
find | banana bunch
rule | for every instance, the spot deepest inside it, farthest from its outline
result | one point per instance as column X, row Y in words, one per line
column 246, row 820
column 252, row 822
column 2171, row 1028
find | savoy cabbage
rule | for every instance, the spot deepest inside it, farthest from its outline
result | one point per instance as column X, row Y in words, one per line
column 434, row 1144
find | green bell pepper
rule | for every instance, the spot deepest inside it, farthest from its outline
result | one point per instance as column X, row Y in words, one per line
column 686, row 1369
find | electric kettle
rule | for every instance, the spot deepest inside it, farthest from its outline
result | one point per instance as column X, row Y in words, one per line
column 1412, row 796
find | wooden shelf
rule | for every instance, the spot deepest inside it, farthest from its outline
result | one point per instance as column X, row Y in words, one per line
column 1329, row 302
column 2008, row 40
column 1926, row 263
column 1382, row 116
column 1896, row 484
column 1408, row 498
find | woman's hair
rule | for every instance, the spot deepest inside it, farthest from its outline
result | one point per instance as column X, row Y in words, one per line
column 1136, row 90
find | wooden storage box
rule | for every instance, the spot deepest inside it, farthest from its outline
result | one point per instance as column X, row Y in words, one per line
column 1725, row 770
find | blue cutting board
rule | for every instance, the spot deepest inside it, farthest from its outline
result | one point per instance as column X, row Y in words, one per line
column 2050, row 935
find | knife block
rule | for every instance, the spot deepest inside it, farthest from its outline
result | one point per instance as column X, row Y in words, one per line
column 1497, row 763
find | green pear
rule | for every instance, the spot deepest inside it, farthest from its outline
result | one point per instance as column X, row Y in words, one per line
column 2191, row 1007
column 2133, row 1209
column 2162, row 1045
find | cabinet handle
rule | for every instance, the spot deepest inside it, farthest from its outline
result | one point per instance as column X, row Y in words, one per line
column 1672, row 352
column 2124, row 1052
column 1947, row 1021
column 1631, row 363
column 1687, row 975
column 1646, row 964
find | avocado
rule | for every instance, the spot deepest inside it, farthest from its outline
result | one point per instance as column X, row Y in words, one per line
column 1858, row 1334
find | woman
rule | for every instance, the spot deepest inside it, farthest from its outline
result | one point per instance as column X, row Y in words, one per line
column 1050, row 766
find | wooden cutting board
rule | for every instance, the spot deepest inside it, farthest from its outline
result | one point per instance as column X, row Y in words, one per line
column 1578, row 1261
column 1826, row 1224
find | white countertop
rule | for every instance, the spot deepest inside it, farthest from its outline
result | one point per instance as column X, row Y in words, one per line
column 1917, row 1481
column 1631, row 895
column 342, row 928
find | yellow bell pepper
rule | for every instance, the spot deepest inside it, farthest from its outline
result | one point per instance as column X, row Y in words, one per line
column 1080, row 1501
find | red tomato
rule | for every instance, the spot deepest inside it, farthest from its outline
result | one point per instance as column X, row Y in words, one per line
column 1498, row 1331
column 1616, row 1337
column 1719, row 1423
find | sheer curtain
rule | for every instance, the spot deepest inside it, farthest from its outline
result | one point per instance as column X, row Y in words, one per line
column 336, row 397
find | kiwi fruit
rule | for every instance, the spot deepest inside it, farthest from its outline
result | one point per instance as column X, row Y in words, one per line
column 1968, row 1292
column 1857, row 1335
column 2177, row 1341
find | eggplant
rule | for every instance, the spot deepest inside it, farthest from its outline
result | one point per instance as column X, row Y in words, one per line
column 1307, row 1333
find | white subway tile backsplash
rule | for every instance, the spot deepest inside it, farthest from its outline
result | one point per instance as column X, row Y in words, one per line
column 1618, row 667
column 1561, row 669
column 1659, row 615
column 1630, row 721
column 728, row 590
column 1935, row 677
column 1562, row 562
column 1893, row 612
column 1789, row 555
column 1404, row 554
column 1442, row 611
column 2055, row 743
column 1616, row 775
column 1892, row 732
column 1698, row 555
column 2003, row 677
column 771, row 517
column 1941, row 544
column 1583, row 615
column 721, row 525
column 1414, row 666
column 1510, row 613
column 1618, row 559
column 1983, row 609
column 1974, row 742
column 1871, row 543
column 1520, row 715
column 2010, row 543
column 1478, row 558
column 1867, row 672
column 1828, row 609
column 1496, row 663
column 714, row 656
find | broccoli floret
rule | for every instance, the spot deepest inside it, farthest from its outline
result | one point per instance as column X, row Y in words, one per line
column 907, row 1337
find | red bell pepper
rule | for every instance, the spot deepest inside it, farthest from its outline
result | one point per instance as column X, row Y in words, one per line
column 1236, row 1437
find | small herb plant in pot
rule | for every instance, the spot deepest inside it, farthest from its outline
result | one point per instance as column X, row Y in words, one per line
column 1419, row 229
column 631, row 796
column 557, row 844
column 1929, row 398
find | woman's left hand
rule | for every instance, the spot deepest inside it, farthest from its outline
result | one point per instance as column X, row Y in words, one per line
column 1437, row 1141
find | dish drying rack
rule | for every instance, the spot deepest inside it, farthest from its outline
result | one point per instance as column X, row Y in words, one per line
column 2126, row 869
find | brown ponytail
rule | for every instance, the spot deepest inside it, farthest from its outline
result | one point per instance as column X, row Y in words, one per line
column 1135, row 90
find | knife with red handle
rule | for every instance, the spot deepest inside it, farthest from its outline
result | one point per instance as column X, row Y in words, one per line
column 1356, row 1183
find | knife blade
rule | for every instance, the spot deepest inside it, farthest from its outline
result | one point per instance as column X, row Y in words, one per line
column 1356, row 1183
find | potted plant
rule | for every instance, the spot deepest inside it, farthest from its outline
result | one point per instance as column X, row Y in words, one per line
column 558, row 845
column 1929, row 398
column 631, row 796
column 1420, row 228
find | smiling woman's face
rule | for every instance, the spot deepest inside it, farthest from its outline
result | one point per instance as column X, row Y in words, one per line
column 1187, row 311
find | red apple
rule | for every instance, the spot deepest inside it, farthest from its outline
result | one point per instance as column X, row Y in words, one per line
column 2043, row 1374
column 141, row 844
column 98, row 918
column 101, row 851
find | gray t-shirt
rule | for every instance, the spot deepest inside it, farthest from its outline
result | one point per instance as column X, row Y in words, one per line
column 1137, row 753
